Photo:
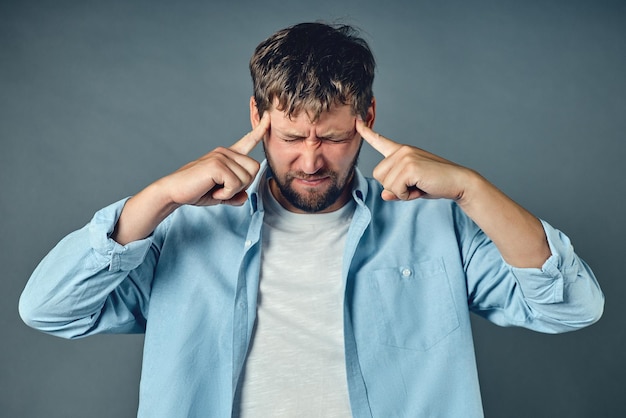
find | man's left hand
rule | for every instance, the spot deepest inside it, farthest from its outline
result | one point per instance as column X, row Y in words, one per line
column 408, row 173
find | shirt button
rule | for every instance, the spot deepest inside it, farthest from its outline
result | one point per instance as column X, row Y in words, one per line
column 248, row 243
column 406, row 273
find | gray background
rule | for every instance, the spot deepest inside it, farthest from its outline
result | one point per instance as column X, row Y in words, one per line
column 99, row 98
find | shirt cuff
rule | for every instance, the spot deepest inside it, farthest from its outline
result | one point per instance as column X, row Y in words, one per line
column 109, row 252
column 546, row 285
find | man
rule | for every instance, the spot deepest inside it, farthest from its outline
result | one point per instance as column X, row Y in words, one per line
column 297, row 287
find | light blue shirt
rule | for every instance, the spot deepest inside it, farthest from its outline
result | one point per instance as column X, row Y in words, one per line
column 412, row 272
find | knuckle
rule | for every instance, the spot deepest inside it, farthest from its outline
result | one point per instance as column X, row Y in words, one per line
column 377, row 173
column 245, row 182
column 221, row 150
column 405, row 150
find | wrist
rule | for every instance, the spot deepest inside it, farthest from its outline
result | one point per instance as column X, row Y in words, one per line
column 474, row 186
column 158, row 197
column 142, row 214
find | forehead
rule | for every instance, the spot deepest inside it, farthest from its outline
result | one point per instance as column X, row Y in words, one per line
column 338, row 118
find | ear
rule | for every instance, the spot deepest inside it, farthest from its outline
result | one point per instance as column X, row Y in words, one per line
column 371, row 114
column 255, row 118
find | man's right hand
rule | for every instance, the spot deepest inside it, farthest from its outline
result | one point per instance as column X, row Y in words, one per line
column 219, row 177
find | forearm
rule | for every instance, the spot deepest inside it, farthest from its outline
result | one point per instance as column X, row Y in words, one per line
column 518, row 235
column 142, row 214
column 562, row 296
column 219, row 177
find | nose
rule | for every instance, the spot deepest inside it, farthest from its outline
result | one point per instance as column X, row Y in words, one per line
column 311, row 159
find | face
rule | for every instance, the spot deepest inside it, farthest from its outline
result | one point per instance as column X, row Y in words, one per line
column 313, row 162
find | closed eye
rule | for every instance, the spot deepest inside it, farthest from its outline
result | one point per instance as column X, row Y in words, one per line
column 328, row 139
column 339, row 137
column 333, row 140
column 291, row 139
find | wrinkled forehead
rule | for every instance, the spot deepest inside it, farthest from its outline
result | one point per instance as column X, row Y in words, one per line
column 339, row 121
column 336, row 113
column 312, row 107
column 313, row 112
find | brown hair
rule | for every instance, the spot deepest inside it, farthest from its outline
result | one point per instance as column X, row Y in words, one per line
column 311, row 67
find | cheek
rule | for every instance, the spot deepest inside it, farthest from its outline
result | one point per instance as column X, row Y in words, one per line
column 343, row 155
column 280, row 153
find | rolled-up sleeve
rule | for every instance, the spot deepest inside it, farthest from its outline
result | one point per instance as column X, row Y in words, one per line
column 89, row 283
column 108, row 252
column 563, row 295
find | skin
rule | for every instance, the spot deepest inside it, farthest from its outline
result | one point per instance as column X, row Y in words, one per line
column 409, row 173
column 219, row 177
column 310, row 159
column 313, row 161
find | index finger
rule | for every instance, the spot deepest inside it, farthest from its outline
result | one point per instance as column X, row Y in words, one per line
column 252, row 138
column 381, row 144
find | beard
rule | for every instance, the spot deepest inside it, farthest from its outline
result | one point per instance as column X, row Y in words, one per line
column 312, row 200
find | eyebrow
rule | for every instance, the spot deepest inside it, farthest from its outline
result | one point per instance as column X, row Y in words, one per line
column 341, row 134
column 294, row 135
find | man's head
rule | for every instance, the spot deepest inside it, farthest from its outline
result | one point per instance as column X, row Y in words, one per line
column 314, row 80
column 311, row 67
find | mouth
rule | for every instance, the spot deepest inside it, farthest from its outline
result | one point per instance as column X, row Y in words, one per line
column 311, row 181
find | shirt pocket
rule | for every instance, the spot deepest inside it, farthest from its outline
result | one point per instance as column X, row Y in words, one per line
column 415, row 305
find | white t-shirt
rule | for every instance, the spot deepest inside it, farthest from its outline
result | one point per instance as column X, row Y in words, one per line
column 296, row 363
